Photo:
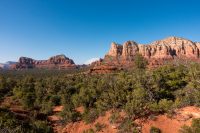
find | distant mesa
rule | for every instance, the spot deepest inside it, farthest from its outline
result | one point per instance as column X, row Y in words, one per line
column 7, row 65
column 54, row 62
column 157, row 53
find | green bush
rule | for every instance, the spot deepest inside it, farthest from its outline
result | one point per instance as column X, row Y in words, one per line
column 128, row 126
column 155, row 130
column 165, row 105
column 69, row 115
column 99, row 127
column 10, row 122
column 56, row 100
column 42, row 127
column 194, row 128
column 140, row 61
column 89, row 116
column 137, row 102
column 114, row 118
column 89, row 131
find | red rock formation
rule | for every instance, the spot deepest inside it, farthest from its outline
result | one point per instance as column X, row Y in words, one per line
column 167, row 48
column 157, row 53
column 55, row 62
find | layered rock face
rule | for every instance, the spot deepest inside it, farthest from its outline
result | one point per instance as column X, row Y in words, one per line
column 55, row 62
column 168, row 48
column 156, row 53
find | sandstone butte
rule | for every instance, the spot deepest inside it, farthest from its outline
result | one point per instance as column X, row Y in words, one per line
column 55, row 62
column 156, row 53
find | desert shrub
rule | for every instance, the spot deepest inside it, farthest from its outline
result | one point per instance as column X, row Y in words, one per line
column 10, row 122
column 69, row 114
column 25, row 92
column 114, row 118
column 140, row 61
column 90, row 116
column 6, row 86
column 89, row 131
column 165, row 105
column 7, row 119
column 56, row 100
column 42, row 127
column 137, row 103
column 115, row 97
column 168, row 79
column 99, row 127
column 155, row 130
column 46, row 107
column 188, row 96
column 194, row 128
column 162, row 106
column 152, row 117
column 128, row 126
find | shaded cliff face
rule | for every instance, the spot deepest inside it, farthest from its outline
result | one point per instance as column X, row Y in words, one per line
column 156, row 53
column 55, row 62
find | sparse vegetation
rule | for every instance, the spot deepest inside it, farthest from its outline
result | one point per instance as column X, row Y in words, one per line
column 194, row 128
column 89, row 131
column 99, row 127
column 138, row 93
column 128, row 126
column 114, row 118
column 155, row 130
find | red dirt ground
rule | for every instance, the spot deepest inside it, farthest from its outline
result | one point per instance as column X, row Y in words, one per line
column 182, row 117
column 167, row 125
column 79, row 127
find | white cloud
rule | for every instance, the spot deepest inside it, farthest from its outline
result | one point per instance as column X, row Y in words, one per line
column 91, row 60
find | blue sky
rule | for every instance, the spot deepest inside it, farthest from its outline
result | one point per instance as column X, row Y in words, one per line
column 84, row 29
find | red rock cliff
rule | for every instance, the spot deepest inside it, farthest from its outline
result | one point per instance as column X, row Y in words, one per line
column 166, row 48
column 156, row 53
column 55, row 62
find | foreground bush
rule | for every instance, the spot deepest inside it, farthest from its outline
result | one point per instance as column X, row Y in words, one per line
column 194, row 128
column 128, row 126
column 155, row 130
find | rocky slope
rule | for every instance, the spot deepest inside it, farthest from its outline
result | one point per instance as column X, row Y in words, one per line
column 156, row 53
column 55, row 62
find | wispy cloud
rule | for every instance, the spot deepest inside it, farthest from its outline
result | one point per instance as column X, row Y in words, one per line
column 91, row 60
